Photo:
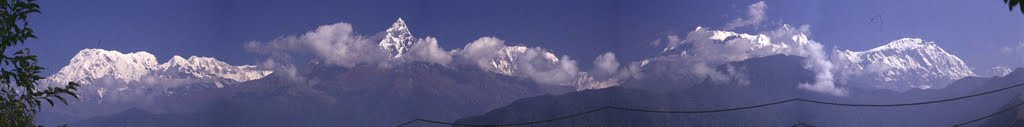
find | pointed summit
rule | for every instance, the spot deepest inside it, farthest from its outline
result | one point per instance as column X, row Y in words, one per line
column 398, row 39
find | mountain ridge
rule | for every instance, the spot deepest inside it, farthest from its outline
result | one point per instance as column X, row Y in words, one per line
column 903, row 64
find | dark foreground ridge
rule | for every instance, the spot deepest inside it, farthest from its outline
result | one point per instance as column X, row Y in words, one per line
column 744, row 108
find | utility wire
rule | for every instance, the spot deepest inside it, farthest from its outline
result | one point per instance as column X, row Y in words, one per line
column 742, row 108
column 989, row 115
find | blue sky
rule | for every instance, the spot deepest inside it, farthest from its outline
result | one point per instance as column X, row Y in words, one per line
column 978, row 31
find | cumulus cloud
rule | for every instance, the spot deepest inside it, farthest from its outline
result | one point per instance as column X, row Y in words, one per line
column 755, row 15
column 538, row 64
column 481, row 51
column 817, row 59
column 334, row 44
column 607, row 72
column 605, row 65
column 427, row 50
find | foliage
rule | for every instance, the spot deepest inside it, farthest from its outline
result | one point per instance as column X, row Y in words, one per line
column 1018, row 3
column 20, row 98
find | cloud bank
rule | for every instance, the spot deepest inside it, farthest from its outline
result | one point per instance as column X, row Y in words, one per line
column 336, row 44
column 702, row 49
column 699, row 52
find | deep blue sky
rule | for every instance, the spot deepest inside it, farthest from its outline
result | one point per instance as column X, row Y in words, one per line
column 975, row 30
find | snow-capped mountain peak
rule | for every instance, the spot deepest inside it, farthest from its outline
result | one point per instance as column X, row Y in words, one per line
column 91, row 64
column 901, row 65
column 398, row 39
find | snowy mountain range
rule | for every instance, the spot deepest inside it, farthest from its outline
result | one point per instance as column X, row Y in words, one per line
column 900, row 65
column 92, row 64
column 108, row 70
column 908, row 63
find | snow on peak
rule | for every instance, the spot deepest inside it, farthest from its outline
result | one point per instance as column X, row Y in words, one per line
column 585, row 82
column 906, row 44
column 1000, row 71
column 506, row 60
column 208, row 67
column 92, row 64
column 398, row 39
column 756, row 42
column 902, row 65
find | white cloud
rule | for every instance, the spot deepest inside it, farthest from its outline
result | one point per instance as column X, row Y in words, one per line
column 671, row 42
column 605, row 65
column 607, row 72
column 427, row 50
column 481, row 51
column 1016, row 50
column 538, row 64
column 755, row 15
column 335, row 44
column 817, row 59
column 288, row 71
